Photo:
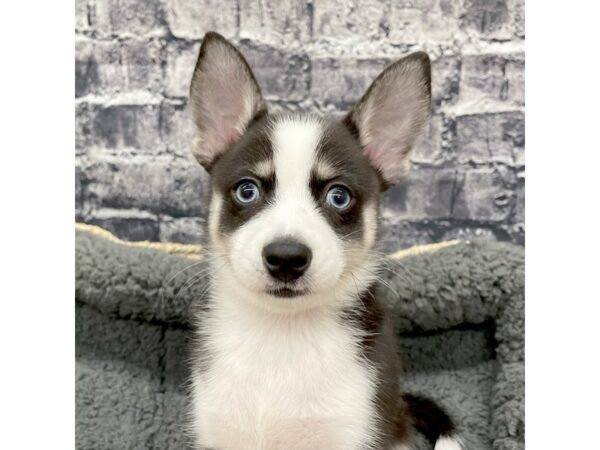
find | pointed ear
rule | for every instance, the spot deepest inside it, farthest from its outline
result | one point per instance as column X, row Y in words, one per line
column 224, row 98
column 391, row 115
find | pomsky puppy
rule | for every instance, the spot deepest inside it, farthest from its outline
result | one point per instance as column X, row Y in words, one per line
column 294, row 350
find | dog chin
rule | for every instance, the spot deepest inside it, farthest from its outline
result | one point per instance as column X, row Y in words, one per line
column 266, row 293
column 286, row 298
column 286, row 292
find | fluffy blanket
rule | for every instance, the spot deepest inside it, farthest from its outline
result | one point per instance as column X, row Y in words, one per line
column 458, row 309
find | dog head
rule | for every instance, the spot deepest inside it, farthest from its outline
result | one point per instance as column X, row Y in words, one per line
column 295, row 197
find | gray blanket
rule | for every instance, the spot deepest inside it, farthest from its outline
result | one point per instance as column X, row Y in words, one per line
column 459, row 313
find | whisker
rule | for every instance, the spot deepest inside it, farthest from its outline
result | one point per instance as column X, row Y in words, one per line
column 183, row 270
column 381, row 280
column 350, row 234
column 364, row 307
column 193, row 280
column 205, row 290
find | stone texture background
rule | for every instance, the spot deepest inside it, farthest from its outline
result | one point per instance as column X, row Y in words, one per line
column 134, row 60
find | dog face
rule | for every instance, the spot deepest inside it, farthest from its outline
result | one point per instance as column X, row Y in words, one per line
column 294, row 197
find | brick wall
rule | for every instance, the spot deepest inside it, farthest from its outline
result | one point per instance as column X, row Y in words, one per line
column 134, row 60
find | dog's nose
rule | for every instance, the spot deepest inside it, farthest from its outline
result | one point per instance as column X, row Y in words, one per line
column 286, row 259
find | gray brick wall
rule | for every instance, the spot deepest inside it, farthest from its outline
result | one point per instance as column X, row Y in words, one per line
column 134, row 59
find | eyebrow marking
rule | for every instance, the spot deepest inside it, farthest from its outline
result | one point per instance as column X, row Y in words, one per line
column 324, row 170
column 264, row 169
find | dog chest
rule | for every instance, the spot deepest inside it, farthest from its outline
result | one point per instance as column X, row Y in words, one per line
column 284, row 384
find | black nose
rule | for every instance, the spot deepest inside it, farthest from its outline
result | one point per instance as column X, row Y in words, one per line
column 286, row 259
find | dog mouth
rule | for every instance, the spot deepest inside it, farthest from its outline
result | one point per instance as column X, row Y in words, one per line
column 286, row 291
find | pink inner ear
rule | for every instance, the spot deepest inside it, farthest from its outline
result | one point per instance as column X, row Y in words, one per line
column 219, row 133
column 228, row 128
column 373, row 153
column 389, row 164
column 224, row 98
column 393, row 114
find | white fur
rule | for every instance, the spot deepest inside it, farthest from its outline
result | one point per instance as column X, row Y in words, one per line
column 281, row 381
column 293, row 214
column 449, row 443
column 279, row 375
column 338, row 269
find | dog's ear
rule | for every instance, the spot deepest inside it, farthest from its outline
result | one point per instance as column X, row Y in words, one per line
column 224, row 98
column 390, row 117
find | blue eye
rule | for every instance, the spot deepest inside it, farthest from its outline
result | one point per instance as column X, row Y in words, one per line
column 247, row 192
column 339, row 197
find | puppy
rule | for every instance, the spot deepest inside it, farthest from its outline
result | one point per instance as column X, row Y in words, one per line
column 294, row 350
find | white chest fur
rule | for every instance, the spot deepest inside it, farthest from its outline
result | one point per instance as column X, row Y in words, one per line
column 277, row 382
